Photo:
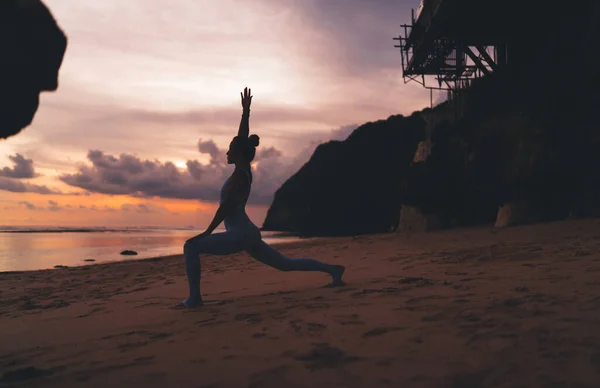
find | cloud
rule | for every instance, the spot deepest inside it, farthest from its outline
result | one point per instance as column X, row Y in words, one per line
column 195, row 169
column 130, row 175
column 143, row 208
column 343, row 132
column 28, row 205
column 10, row 178
column 265, row 153
column 22, row 168
column 54, row 206
column 16, row 186
column 210, row 148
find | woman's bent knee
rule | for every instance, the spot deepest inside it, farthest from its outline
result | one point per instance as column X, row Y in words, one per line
column 188, row 248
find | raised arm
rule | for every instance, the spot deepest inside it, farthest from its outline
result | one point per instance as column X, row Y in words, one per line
column 244, row 130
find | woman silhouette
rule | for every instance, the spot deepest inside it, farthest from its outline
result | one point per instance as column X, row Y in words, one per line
column 241, row 234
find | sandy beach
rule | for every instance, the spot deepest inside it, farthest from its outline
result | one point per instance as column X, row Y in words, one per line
column 480, row 307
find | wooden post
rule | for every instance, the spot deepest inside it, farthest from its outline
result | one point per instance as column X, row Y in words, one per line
column 431, row 98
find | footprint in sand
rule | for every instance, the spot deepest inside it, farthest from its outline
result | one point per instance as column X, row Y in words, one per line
column 323, row 355
column 466, row 380
column 249, row 318
column 131, row 345
column 203, row 322
column 145, row 358
column 310, row 328
column 385, row 362
column 24, row 374
column 96, row 310
column 217, row 302
column 462, row 287
column 424, row 298
column 419, row 281
column 432, row 318
column 381, row 330
column 353, row 319
column 346, row 289
column 456, row 273
column 272, row 375
column 469, row 316
column 385, row 290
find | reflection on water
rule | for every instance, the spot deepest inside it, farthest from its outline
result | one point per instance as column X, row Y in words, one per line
column 30, row 251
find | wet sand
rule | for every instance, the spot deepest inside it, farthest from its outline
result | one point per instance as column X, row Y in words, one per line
column 517, row 307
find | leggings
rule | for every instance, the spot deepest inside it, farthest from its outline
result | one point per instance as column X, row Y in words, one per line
column 230, row 242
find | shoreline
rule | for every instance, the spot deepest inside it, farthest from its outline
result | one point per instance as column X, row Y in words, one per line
column 291, row 244
column 303, row 242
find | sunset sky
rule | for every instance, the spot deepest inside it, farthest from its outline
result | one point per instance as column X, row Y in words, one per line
column 149, row 99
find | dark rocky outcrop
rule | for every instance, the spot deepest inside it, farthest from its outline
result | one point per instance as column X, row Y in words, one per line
column 32, row 47
column 352, row 186
column 520, row 146
column 524, row 145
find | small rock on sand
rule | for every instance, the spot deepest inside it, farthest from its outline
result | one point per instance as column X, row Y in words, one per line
column 128, row 252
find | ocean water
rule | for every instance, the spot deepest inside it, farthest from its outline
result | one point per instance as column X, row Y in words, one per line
column 26, row 249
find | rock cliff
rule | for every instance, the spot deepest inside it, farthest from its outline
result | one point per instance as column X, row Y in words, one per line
column 352, row 186
column 32, row 47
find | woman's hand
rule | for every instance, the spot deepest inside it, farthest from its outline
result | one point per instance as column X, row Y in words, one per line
column 246, row 99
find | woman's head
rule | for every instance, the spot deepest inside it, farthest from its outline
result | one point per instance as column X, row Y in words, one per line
column 242, row 149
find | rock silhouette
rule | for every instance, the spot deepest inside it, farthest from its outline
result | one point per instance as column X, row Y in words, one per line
column 32, row 47
column 352, row 186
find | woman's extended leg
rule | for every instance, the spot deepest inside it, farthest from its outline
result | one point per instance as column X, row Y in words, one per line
column 268, row 255
column 216, row 244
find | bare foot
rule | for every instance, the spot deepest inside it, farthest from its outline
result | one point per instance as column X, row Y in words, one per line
column 336, row 283
column 336, row 276
column 337, row 273
column 187, row 305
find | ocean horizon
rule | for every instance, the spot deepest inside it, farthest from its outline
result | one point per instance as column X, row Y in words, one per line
column 24, row 248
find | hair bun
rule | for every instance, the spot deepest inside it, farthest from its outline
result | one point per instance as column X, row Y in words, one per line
column 254, row 140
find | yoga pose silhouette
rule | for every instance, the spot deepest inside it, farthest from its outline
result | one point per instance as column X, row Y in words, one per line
column 241, row 234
